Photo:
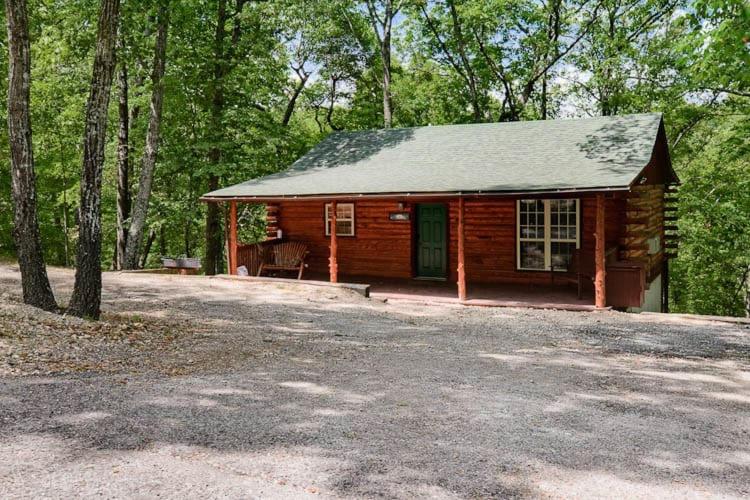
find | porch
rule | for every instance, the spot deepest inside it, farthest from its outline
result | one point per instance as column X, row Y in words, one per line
column 384, row 254
column 558, row 296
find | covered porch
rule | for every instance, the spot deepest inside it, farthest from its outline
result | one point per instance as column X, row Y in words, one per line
column 551, row 293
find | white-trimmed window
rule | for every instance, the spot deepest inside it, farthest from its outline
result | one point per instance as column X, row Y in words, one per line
column 344, row 219
column 548, row 233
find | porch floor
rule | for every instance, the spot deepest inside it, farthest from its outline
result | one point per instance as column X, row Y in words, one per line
column 491, row 295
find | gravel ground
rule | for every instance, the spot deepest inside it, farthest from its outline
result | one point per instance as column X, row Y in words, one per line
column 246, row 390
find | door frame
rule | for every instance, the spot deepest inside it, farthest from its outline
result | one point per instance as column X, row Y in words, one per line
column 415, row 241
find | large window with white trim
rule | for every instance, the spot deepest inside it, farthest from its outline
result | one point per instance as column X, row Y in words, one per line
column 344, row 219
column 548, row 233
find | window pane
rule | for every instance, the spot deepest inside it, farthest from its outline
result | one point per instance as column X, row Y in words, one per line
column 344, row 211
column 564, row 213
column 532, row 255
column 344, row 218
column 561, row 254
column 531, row 219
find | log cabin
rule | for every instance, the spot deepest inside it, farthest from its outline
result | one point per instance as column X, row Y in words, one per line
column 585, row 204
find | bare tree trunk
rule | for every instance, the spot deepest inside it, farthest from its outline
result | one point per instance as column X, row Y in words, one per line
column 147, row 248
column 385, row 51
column 140, row 210
column 36, row 288
column 476, row 106
column 223, row 61
column 212, row 264
column 384, row 23
column 65, row 214
column 86, row 299
column 123, row 167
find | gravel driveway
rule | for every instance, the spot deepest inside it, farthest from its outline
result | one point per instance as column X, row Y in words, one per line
column 293, row 391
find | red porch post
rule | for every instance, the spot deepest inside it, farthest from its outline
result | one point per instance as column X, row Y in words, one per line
column 600, row 287
column 461, row 258
column 232, row 237
column 333, row 262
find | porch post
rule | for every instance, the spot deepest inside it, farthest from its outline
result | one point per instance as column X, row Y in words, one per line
column 232, row 237
column 461, row 258
column 600, row 291
column 333, row 262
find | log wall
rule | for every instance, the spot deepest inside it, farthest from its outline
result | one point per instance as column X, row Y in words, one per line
column 379, row 247
column 644, row 219
column 384, row 248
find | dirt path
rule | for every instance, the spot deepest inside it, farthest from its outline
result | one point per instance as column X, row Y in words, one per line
column 290, row 391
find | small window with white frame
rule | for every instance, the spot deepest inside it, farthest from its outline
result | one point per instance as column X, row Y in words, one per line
column 548, row 233
column 344, row 219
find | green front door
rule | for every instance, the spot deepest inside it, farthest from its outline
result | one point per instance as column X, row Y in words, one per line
column 431, row 241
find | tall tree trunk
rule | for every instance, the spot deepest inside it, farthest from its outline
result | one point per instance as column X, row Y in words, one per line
column 384, row 22
column 65, row 214
column 223, row 61
column 147, row 247
column 476, row 105
column 123, row 167
column 385, row 51
column 140, row 210
column 86, row 299
column 36, row 288
column 212, row 264
column 213, row 259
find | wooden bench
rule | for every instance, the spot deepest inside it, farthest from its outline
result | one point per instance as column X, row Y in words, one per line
column 287, row 256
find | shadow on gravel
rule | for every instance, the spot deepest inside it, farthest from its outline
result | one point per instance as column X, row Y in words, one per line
column 390, row 403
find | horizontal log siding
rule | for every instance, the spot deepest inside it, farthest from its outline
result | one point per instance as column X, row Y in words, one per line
column 491, row 238
column 379, row 247
column 383, row 248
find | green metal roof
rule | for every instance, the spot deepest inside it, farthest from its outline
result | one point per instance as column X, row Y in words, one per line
column 591, row 153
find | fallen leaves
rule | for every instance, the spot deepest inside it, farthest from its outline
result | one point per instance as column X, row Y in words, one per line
column 34, row 342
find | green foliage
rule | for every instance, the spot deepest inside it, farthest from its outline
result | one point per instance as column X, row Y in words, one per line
column 714, row 215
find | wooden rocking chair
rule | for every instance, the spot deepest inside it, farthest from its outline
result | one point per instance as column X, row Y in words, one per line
column 581, row 268
column 288, row 256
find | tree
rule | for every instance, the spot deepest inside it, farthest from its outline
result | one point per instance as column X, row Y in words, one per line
column 223, row 62
column 36, row 288
column 123, row 163
column 449, row 39
column 140, row 210
column 381, row 19
column 710, row 275
column 249, row 98
column 86, row 299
